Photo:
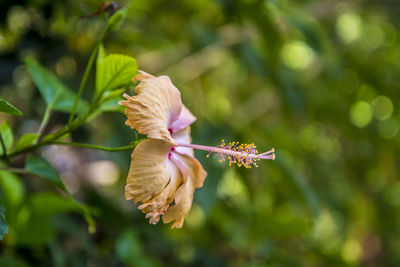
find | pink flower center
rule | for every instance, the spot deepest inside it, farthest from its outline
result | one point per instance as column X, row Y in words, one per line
column 170, row 152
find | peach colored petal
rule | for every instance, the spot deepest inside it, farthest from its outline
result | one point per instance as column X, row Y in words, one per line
column 155, row 107
column 185, row 119
column 141, row 76
column 193, row 177
column 159, row 204
column 150, row 170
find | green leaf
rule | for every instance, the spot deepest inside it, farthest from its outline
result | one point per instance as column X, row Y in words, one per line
column 41, row 167
column 117, row 18
column 3, row 223
column 112, row 105
column 111, row 95
column 101, row 56
column 7, row 134
column 6, row 107
column 35, row 225
column 87, row 214
column 26, row 140
column 110, row 100
column 56, row 94
column 12, row 194
column 53, row 204
column 114, row 71
column 34, row 229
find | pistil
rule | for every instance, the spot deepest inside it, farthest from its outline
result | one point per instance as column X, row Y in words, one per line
column 242, row 155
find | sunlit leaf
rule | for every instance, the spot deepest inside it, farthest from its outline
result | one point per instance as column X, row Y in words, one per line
column 116, row 70
column 26, row 140
column 41, row 167
column 7, row 134
column 6, row 107
column 54, row 92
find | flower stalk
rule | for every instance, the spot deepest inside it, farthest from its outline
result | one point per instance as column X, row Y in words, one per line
column 86, row 74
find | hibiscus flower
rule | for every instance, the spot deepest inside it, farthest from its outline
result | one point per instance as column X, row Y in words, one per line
column 161, row 172
column 164, row 172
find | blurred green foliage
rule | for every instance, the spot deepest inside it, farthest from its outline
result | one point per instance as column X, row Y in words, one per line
column 317, row 80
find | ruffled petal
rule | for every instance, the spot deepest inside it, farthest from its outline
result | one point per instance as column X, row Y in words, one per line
column 150, row 170
column 185, row 119
column 159, row 204
column 154, row 108
column 193, row 177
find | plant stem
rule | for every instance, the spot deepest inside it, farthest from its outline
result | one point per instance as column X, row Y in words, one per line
column 72, row 123
column 3, row 146
column 45, row 120
column 42, row 143
column 86, row 74
column 16, row 170
column 104, row 148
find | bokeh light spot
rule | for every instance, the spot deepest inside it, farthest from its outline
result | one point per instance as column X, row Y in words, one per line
column 349, row 81
column 232, row 187
column 351, row 251
column 392, row 195
column 297, row 55
column 366, row 92
column 348, row 27
column 388, row 129
column 360, row 114
column 308, row 137
column 196, row 217
column 373, row 37
column 218, row 104
column 18, row 19
column 326, row 232
column 376, row 180
column 103, row 172
column 66, row 67
column 383, row 107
